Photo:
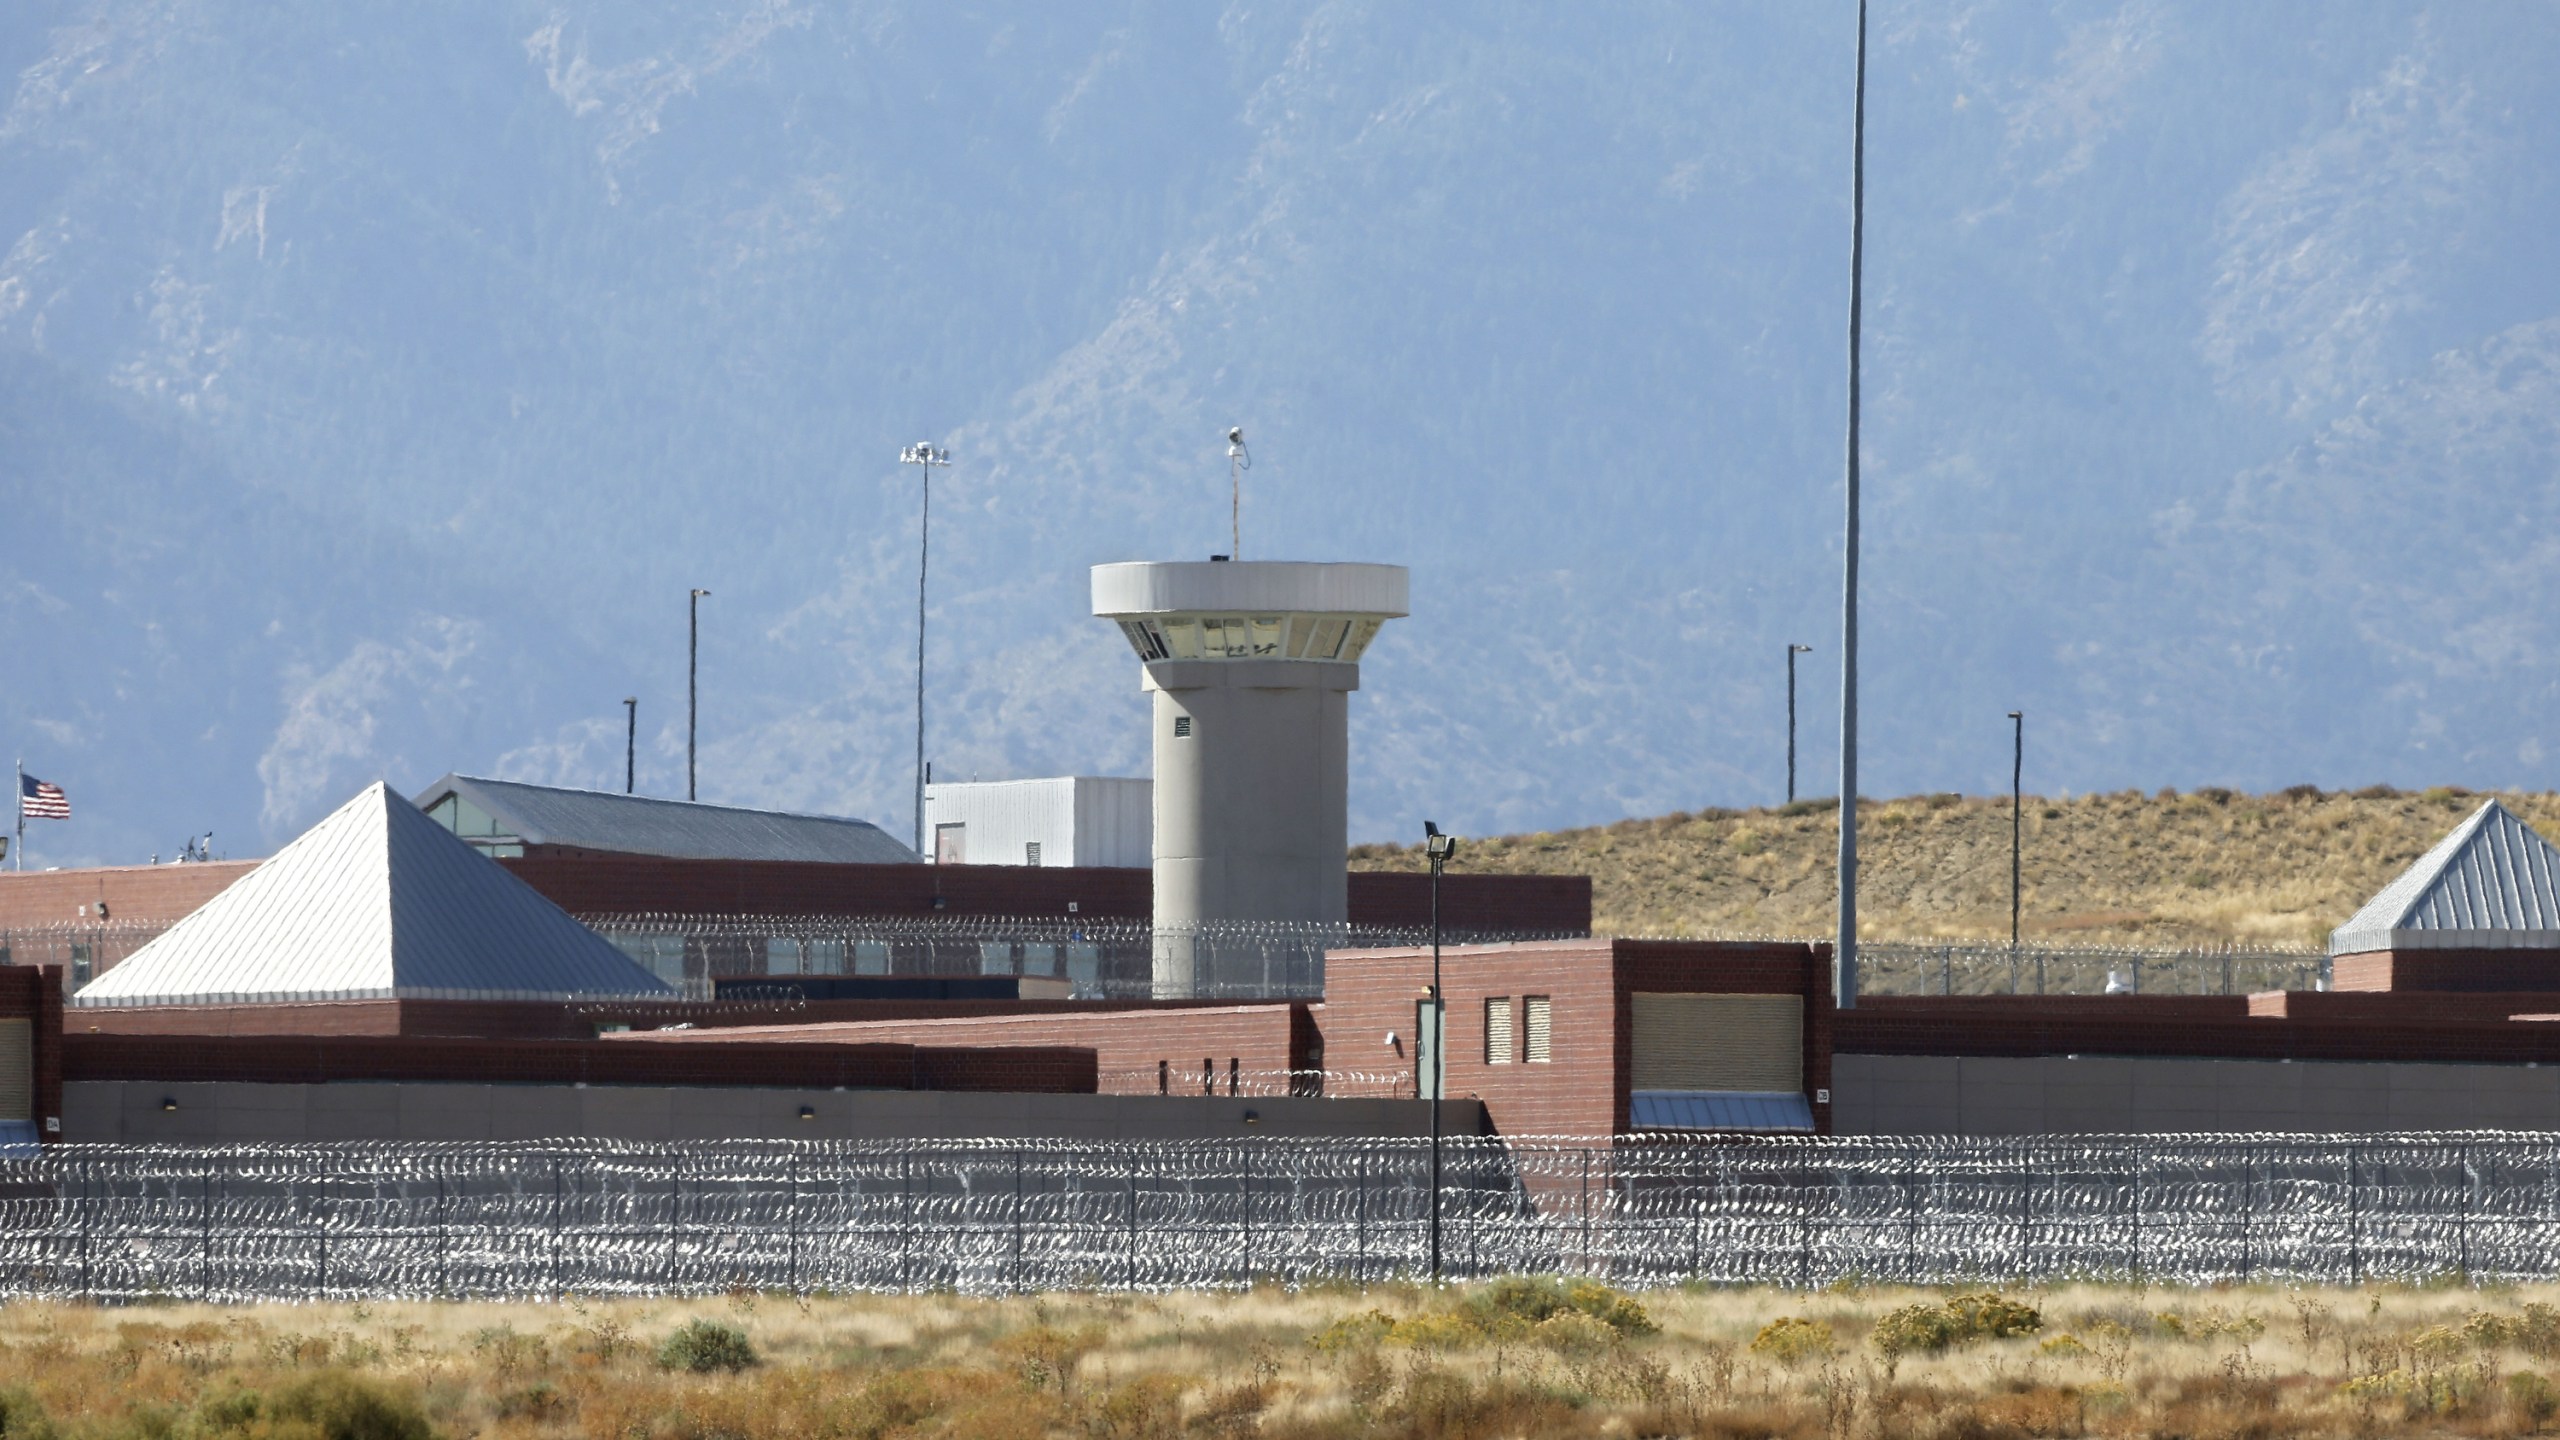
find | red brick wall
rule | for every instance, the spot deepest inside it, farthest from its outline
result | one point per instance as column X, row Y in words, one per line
column 1722, row 968
column 1372, row 993
column 141, row 894
column 2020, row 1030
column 2415, row 1006
column 1535, row 904
column 2454, row 970
column 1260, row 1042
column 590, row 884
column 634, row 884
column 34, row 993
column 312, row 1060
column 1583, row 1090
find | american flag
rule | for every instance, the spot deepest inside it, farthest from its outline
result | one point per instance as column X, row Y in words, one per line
column 42, row 799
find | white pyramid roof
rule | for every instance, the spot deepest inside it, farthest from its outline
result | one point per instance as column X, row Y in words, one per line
column 376, row 902
column 2493, row 884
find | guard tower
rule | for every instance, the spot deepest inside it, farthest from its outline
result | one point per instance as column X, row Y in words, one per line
column 1251, row 664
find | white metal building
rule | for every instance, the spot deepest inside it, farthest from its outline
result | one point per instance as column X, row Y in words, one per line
column 1080, row 820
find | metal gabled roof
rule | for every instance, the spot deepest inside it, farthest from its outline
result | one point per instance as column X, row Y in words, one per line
column 2493, row 884
column 376, row 902
column 677, row 829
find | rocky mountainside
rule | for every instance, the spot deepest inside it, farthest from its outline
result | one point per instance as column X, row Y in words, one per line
column 378, row 379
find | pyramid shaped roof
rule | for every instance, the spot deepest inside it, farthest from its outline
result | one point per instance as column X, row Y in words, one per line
column 2493, row 884
column 376, row 902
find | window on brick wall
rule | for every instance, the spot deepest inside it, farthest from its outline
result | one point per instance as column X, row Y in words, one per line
column 1498, row 1039
column 1537, row 1032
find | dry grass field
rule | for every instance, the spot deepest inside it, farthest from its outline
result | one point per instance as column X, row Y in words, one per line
column 2205, row 867
column 1520, row 1358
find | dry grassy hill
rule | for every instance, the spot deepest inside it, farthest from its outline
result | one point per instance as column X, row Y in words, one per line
column 2211, row 866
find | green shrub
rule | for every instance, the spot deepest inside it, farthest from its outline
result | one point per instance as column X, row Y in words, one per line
column 1570, row 1332
column 1361, row 1330
column 1913, row 1328
column 21, row 1418
column 1613, row 1308
column 1791, row 1338
column 331, row 1405
column 1958, row 1320
column 707, row 1345
column 2533, row 1397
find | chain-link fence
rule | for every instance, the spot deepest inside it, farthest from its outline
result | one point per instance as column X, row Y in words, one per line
column 1115, row 959
column 347, row 1221
column 1961, row 968
column 1098, row 959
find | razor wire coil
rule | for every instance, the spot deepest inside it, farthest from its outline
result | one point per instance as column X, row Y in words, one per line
column 321, row 1221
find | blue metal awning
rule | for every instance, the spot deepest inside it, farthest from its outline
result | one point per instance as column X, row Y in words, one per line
column 1719, row 1110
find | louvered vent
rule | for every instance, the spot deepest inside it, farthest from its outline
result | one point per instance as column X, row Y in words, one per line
column 1718, row 1042
column 1498, row 1039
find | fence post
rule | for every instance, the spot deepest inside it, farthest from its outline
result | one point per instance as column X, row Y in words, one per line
column 204, row 1238
column 1017, row 1221
column 555, row 1227
column 441, row 1244
column 2462, row 1215
column 1586, row 1209
column 906, row 1217
column 2355, row 1220
column 791, row 1219
column 1248, row 1214
column 1130, row 1174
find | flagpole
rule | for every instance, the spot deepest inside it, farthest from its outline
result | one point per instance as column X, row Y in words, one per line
column 22, row 813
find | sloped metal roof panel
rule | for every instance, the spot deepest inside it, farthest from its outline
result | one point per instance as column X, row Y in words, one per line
column 375, row 902
column 677, row 829
column 2493, row 883
column 1718, row 1110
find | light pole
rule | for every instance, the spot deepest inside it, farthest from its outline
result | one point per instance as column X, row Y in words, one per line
column 924, row 457
column 1435, row 1065
column 2017, row 814
column 692, row 690
column 1793, row 650
column 1844, row 949
column 1238, row 462
column 630, row 741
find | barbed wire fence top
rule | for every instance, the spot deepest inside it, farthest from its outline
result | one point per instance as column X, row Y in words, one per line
column 1107, row 958
column 304, row 1222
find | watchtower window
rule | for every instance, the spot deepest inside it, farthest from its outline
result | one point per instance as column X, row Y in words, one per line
column 1181, row 727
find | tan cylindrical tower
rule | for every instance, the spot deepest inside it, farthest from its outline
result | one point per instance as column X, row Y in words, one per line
column 1252, row 664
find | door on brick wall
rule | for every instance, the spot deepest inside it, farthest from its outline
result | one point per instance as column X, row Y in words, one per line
column 951, row 844
column 17, row 1070
column 1430, row 1065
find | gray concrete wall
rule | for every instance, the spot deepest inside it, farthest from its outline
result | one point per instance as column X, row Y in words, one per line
column 132, row 1112
column 2056, row 1095
column 1251, row 817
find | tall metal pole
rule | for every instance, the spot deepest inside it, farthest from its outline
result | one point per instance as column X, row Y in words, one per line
column 1793, row 650
column 630, row 742
column 924, row 457
column 1436, row 1067
column 1844, row 952
column 692, row 692
column 1238, row 462
column 1435, row 1058
column 18, row 797
column 2017, row 812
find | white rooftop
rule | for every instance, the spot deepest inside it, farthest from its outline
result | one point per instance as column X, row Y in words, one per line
column 2493, row 884
column 376, row 902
